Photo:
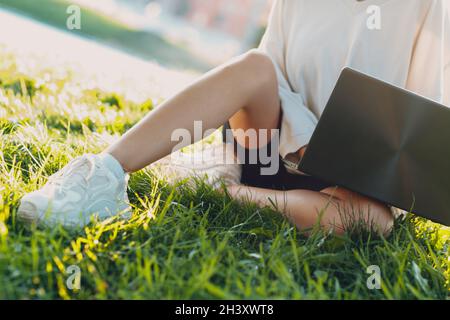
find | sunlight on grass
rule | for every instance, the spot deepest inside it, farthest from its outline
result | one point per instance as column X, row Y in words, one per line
column 181, row 242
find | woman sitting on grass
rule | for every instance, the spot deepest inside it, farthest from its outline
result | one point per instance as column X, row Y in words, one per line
column 285, row 85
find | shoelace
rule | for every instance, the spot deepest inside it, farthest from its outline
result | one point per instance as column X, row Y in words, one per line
column 64, row 178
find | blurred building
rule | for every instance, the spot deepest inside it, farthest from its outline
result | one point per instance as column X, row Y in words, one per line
column 239, row 18
column 214, row 30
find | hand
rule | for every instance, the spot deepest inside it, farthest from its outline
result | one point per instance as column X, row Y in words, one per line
column 302, row 151
column 294, row 159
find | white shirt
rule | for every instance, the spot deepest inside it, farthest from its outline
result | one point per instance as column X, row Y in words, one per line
column 311, row 41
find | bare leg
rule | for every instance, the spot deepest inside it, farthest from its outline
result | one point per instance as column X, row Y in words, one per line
column 244, row 90
column 338, row 207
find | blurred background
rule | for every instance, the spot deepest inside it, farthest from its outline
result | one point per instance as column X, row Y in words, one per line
column 182, row 34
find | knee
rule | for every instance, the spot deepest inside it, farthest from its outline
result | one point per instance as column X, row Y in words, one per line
column 359, row 210
column 384, row 221
column 258, row 67
column 370, row 215
column 257, row 61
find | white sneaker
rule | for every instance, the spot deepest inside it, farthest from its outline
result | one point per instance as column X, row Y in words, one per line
column 91, row 185
column 216, row 164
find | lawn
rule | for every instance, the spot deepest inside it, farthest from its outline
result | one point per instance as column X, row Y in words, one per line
column 103, row 29
column 181, row 243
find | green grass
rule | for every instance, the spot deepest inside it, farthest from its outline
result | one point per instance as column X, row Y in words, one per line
column 102, row 28
column 181, row 242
